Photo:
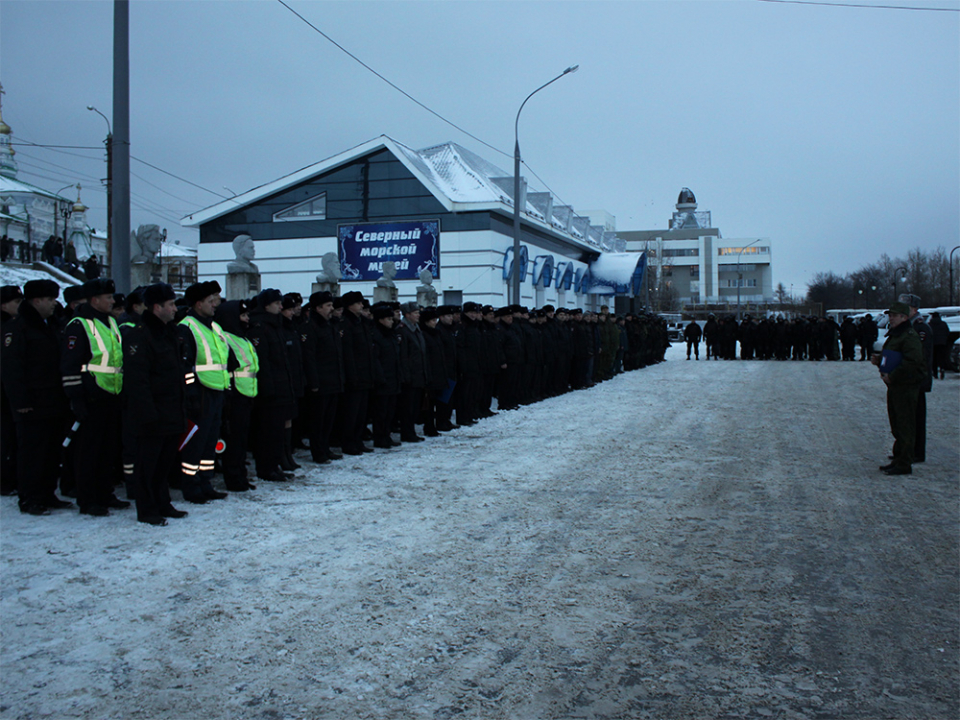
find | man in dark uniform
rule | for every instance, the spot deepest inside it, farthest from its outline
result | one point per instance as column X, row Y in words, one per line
column 692, row 334
column 323, row 368
column 358, row 361
column 91, row 364
column 10, row 299
column 469, row 349
column 448, row 336
column 205, row 355
column 154, row 389
column 31, row 378
column 902, row 370
column 926, row 342
column 414, row 372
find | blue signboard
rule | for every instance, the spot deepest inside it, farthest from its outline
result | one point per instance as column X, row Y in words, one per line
column 413, row 246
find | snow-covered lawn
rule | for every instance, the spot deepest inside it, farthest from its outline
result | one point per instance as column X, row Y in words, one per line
column 692, row 540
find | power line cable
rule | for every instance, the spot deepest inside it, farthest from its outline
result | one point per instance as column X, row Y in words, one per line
column 178, row 178
column 859, row 5
column 165, row 192
column 390, row 83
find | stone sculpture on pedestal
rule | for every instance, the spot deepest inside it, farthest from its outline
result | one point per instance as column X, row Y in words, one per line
column 243, row 277
column 426, row 292
column 386, row 289
column 328, row 280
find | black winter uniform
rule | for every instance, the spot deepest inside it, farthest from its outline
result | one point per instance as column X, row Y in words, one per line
column 276, row 400
column 97, row 440
column 31, row 379
column 323, row 375
column 154, row 389
column 358, row 379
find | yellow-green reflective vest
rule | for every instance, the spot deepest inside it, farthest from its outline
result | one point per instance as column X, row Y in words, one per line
column 245, row 376
column 212, row 354
column 106, row 354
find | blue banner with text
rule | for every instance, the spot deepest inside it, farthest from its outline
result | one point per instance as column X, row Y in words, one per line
column 412, row 246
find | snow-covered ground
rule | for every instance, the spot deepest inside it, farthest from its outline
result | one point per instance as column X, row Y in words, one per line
column 692, row 540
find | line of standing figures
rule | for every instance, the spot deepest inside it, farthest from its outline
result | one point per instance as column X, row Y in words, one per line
column 153, row 392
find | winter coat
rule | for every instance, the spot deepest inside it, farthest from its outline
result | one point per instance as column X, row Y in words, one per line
column 692, row 332
column 275, row 383
column 436, row 362
column 413, row 357
column 30, row 365
column 386, row 360
column 322, row 356
column 153, row 378
column 912, row 369
column 358, row 359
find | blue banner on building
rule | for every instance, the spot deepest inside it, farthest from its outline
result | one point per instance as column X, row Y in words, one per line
column 413, row 246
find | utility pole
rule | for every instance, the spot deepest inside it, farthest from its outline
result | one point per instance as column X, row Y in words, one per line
column 119, row 176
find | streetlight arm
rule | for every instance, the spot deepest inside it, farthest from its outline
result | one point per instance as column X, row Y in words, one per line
column 516, row 124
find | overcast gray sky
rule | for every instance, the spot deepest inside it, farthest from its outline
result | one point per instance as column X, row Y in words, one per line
column 834, row 131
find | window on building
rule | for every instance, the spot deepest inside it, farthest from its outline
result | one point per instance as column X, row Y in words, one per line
column 313, row 209
column 753, row 250
column 682, row 252
column 694, row 271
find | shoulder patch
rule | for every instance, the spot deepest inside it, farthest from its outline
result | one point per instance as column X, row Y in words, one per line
column 71, row 342
column 303, row 337
column 8, row 339
column 132, row 349
column 255, row 341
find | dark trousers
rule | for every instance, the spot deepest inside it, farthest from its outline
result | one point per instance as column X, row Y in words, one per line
column 383, row 408
column 902, row 412
column 128, row 452
column 509, row 396
column 38, row 465
column 268, row 445
column 323, row 412
column 354, row 418
column 8, row 449
column 155, row 457
column 97, row 451
column 408, row 409
column 236, row 437
column 920, row 436
column 444, row 410
column 695, row 346
column 199, row 455
column 469, row 398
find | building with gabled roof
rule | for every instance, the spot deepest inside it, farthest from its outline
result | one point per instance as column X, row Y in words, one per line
column 443, row 209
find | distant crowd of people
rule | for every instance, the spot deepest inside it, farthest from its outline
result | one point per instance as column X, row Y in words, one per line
column 154, row 392
column 54, row 251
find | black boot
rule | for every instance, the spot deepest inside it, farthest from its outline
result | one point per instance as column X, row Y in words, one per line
column 286, row 458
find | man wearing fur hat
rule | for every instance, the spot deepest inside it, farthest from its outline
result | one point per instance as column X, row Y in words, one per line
column 154, row 389
column 31, row 380
column 10, row 298
column 205, row 355
column 91, row 364
column 323, row 370
column 358, row 363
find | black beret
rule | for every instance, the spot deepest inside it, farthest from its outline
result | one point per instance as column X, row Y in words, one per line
column 158, row 294
column 351, row 298
column 40, row 289
column 100, row 286
column 10, row 292
column 320, row 298
column 381, row 311
column 72, row 293
column 268, row 296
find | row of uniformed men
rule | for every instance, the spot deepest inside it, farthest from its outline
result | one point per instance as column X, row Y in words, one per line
column 244, row 370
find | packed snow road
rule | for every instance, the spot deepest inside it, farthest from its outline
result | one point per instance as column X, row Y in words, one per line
column 692, row 540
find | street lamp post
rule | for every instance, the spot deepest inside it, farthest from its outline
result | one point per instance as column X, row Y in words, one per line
column 951, row 272
column 516, row 186
column 56, row 215
column 902, row 274
column 740, row 276
column 109, row 143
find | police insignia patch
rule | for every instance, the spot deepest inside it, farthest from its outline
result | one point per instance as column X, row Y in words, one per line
column 256, row 342
column 71, row 342
column 132, row 349
column 7, row 339
column 303, row 338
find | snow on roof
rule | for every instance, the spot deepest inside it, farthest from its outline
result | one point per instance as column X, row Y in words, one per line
column 169, row 250
column 9, row 185
column 452, row 173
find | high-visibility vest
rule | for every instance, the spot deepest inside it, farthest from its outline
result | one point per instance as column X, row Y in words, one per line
column 244, row 377
column 106, row 353
column 212, row 354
